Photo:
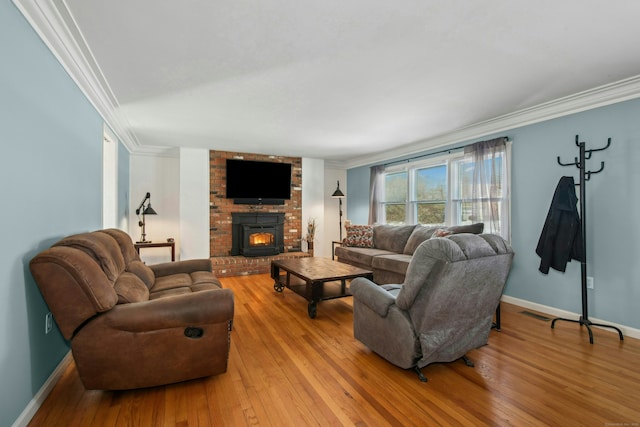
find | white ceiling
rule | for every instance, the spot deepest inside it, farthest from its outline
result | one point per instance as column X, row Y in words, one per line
column 339, row 80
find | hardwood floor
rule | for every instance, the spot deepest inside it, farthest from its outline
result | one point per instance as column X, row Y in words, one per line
column 286, row 369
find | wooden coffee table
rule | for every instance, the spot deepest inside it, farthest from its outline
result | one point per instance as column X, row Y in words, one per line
column 316, row 279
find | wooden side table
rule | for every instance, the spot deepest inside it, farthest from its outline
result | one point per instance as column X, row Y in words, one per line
column 172, row 245
column 333, row 248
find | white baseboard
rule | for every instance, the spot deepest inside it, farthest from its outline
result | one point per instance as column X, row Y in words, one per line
column 555, row 312
column 35, row 403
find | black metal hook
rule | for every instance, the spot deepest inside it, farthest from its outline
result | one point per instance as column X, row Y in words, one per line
column 569, row 164
column 598, row 149
column 589, row 173
column 587, row 156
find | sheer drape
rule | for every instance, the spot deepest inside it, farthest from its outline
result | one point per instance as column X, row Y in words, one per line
column 489, row 193
column 375, row 191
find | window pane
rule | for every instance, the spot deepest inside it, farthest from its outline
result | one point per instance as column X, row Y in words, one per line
column 465, row 178
column 431, row 213
column 395, row 214
column 395, row 187
column 466, row 214
column 496, row 189
column 431, row 183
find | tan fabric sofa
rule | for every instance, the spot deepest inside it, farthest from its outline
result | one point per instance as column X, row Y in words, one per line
column 131, row 325
column 387, row 249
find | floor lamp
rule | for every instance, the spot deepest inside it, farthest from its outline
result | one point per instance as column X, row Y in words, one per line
column 145, row 209
column 338, row 194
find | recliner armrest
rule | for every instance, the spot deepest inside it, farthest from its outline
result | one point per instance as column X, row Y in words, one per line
column 372, row 295
column 186, row 266
column 197, row 308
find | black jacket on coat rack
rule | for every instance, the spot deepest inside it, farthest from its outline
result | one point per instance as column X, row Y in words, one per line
column 561, row 238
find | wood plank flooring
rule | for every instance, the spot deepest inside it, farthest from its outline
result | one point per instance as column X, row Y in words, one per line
column 286, row 369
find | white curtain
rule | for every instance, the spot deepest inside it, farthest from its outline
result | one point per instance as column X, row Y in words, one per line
column 375, row 194
column 490, row 193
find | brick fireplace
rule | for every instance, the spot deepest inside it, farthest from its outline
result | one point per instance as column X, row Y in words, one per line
column 221, row 212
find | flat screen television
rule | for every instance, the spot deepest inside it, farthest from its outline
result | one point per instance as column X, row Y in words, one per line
column 258, row 182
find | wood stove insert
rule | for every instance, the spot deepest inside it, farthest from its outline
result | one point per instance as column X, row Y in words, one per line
column 257, row 233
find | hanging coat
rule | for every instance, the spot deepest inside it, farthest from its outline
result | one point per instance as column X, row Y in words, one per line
column 561, row 238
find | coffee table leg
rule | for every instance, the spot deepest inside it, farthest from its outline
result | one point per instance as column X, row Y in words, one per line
column 314, row 292
column 275, row 275
column 312, row 309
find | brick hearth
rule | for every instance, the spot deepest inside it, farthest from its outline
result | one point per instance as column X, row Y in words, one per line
column 225, row 266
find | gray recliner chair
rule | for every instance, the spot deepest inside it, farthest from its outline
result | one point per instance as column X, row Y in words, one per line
column 443, row 309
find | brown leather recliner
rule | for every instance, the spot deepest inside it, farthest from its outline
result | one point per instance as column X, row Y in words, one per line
column 131, row 325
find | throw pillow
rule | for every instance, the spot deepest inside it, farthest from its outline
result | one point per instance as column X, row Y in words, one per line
column 359, row 236
column 392, row 237
column 442, row 232
column 476, row 228
column 419, row 235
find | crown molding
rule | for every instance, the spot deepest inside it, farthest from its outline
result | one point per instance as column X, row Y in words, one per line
column 54, row 24
column 157, row 151
column 56, row 27
column 612, row 93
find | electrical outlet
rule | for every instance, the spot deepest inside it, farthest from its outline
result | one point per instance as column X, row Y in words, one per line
column 48, row 323
column 589, row 282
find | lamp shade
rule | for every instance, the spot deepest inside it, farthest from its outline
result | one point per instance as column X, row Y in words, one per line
column 338, row 193
column 149, row 211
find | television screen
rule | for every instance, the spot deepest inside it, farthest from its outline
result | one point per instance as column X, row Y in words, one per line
column 250, row 179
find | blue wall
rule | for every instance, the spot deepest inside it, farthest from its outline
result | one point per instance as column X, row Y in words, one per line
column 50, row 186
column 612, row 201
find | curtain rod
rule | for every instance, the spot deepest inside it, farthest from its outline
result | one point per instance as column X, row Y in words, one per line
column 448, row 150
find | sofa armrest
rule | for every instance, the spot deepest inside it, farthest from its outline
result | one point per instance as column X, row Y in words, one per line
column 372, row 295
column 186, row 266
column 197, row 308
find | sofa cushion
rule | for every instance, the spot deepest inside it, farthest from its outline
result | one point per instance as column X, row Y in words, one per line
column 204, row 278
column 393, row 289
column 476, row 228
column 396, row 263
column 143, row 271
column 180, row 280
column 418, row 235
column 362, row 256
column 184, row 283
column 130, row 288
column 359, row 236
column 169, row 293
column 392, row 237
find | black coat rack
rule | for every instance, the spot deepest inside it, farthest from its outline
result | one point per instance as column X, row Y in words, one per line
column 585, row 175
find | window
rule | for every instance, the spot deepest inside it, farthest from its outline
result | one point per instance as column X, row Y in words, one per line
column 429, row 199
column 395, row 199
column 452, row 189
column 416, row 194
